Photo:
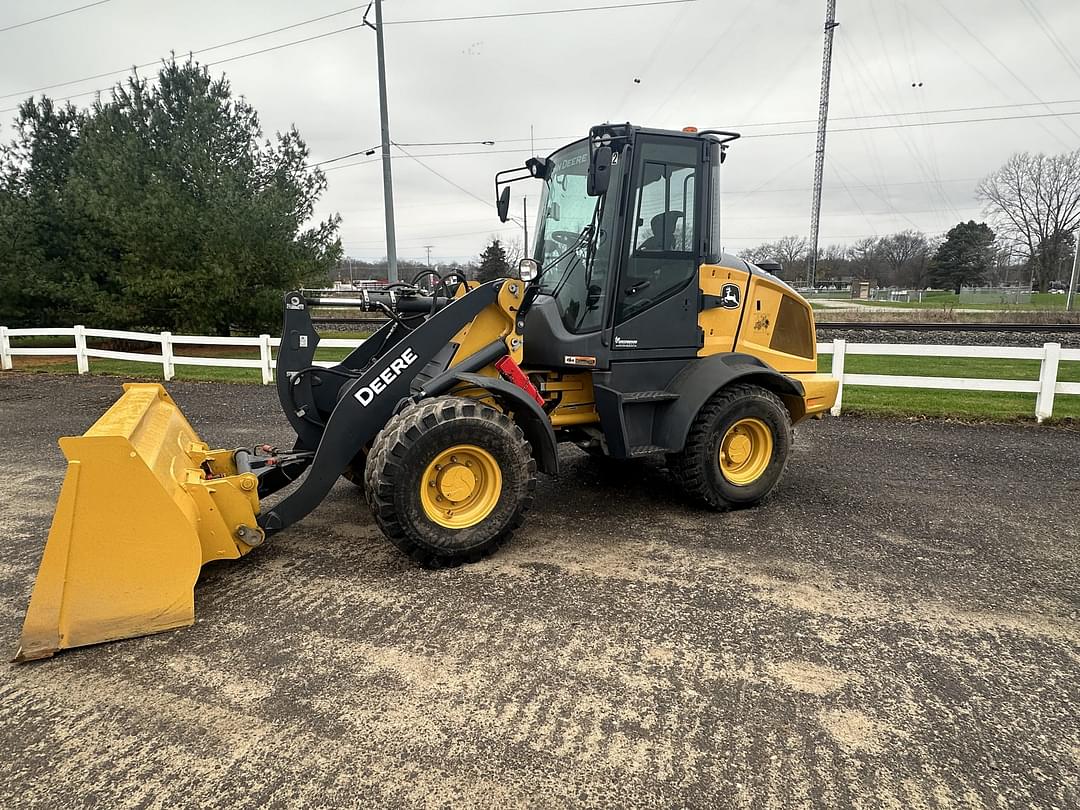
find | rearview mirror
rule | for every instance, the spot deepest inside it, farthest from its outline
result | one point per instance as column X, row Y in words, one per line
column 528, row 269
column 503, row 204
column 599, row 171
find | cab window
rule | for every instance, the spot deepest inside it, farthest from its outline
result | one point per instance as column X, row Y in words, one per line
column 663, row 245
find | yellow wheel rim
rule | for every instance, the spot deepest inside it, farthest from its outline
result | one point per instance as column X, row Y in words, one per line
column 461, row 486
column 745, row 451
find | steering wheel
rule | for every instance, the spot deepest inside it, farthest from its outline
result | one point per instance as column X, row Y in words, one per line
column 564, row 239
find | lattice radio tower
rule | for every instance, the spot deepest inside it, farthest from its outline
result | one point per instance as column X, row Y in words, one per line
column 822, row 125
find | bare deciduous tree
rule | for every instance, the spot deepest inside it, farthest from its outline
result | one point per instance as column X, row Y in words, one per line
column 864, row 257
column 904, row 256
column 1035, row 200
column 760, row 253
column 791, row 251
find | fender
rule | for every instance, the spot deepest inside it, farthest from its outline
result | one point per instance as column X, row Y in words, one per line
column 702, row 378
column 529, row 416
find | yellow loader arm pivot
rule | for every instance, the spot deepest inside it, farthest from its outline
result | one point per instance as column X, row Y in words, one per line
column 143, row 505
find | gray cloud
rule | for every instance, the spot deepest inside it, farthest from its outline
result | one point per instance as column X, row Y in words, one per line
column 742, row 64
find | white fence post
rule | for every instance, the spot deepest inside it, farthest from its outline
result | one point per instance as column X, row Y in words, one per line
column 838, row 372
column 5, row 349
column 82, row 362
column 264, row 356
column 168, row 369
column 1048, row 370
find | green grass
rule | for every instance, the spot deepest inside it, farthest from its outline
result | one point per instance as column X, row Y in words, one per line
column 977, row 405
column 1039, row 302
column 153, row 371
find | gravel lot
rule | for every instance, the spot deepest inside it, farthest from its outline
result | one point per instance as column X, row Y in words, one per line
column 895, row 627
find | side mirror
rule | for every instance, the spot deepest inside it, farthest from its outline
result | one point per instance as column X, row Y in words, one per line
column 528, row 269
column 503, row 204
column 599, row 171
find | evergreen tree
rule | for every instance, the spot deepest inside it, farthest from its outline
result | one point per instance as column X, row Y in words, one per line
column 964, row 257
column 493, row 262
column 162, row 208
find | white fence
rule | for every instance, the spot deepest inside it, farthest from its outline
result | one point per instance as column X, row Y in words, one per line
column 167, row 358
column 1045, row 387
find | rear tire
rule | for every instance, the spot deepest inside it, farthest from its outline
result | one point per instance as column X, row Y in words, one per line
column 737, row 448
column 426, row 452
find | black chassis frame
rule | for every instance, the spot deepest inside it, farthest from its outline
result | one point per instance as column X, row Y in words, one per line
column 337, row 411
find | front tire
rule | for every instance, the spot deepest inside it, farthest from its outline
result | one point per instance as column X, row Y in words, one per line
column 737, row 448
column 449, row 479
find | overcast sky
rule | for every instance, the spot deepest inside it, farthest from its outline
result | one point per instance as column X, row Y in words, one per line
column 743, row 65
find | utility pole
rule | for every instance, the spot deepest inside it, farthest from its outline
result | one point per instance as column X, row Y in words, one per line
column 428, row 249
column 823, row 121
column 1076, row 270
column 525, row 225
column 384, row 118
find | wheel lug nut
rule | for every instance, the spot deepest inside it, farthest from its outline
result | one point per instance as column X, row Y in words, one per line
column 431, row 483
column 453, row 459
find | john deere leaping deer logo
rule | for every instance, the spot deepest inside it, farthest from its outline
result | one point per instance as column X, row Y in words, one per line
column 729, row 296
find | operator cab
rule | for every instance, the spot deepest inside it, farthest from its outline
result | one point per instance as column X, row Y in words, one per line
column 627, row 216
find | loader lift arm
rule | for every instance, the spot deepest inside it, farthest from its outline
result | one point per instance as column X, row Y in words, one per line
column 377, row 381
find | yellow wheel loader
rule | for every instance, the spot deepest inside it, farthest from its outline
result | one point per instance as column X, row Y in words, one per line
column 629, row 333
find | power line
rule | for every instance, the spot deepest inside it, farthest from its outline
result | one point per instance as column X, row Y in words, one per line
column 309, row 22
column 996, row 58
column 200, row 50
column 563, row 139
column 444, row 178
column 537, row 13
column 54, row 16
column 931, row 181
column 760, row 190
column 919, row 124
column 221, row 61
column 1040, row 20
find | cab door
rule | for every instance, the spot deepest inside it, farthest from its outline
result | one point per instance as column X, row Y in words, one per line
column 657, row 297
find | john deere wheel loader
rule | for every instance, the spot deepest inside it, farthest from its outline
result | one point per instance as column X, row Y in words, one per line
column 629, row 332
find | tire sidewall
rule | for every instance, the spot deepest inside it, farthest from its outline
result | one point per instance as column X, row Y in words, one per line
column 750, row 406
column 486, row 434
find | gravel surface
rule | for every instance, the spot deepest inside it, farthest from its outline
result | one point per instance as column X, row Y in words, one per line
column 895, row 627
column 1069, row 340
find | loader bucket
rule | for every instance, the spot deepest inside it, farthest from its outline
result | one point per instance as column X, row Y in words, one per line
column 143, row 505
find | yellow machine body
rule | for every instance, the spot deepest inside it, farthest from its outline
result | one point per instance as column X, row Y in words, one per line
column 143, row 505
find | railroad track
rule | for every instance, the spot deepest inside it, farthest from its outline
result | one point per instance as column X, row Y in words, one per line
column 376, row 322
column 950, row 327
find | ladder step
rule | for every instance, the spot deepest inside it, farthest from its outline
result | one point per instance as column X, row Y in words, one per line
column 635, row 397
column 646, row 450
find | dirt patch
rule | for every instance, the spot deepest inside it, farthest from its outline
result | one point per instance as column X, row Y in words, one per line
column 811, row 678
column 854, row 731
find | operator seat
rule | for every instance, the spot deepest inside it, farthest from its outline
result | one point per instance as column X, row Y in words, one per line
column 663, row 231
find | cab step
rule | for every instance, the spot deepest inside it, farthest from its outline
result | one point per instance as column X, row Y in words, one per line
column 646, row 450
column 637, row 397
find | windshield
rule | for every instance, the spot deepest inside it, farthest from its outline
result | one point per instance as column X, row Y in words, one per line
column 572, row 254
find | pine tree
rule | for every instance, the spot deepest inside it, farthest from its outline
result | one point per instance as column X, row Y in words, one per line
column 161, row 208
column 493, row 263
column 964, row 257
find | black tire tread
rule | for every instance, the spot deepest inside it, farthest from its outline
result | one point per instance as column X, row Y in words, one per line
column 383, row 466
column 687, row 466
